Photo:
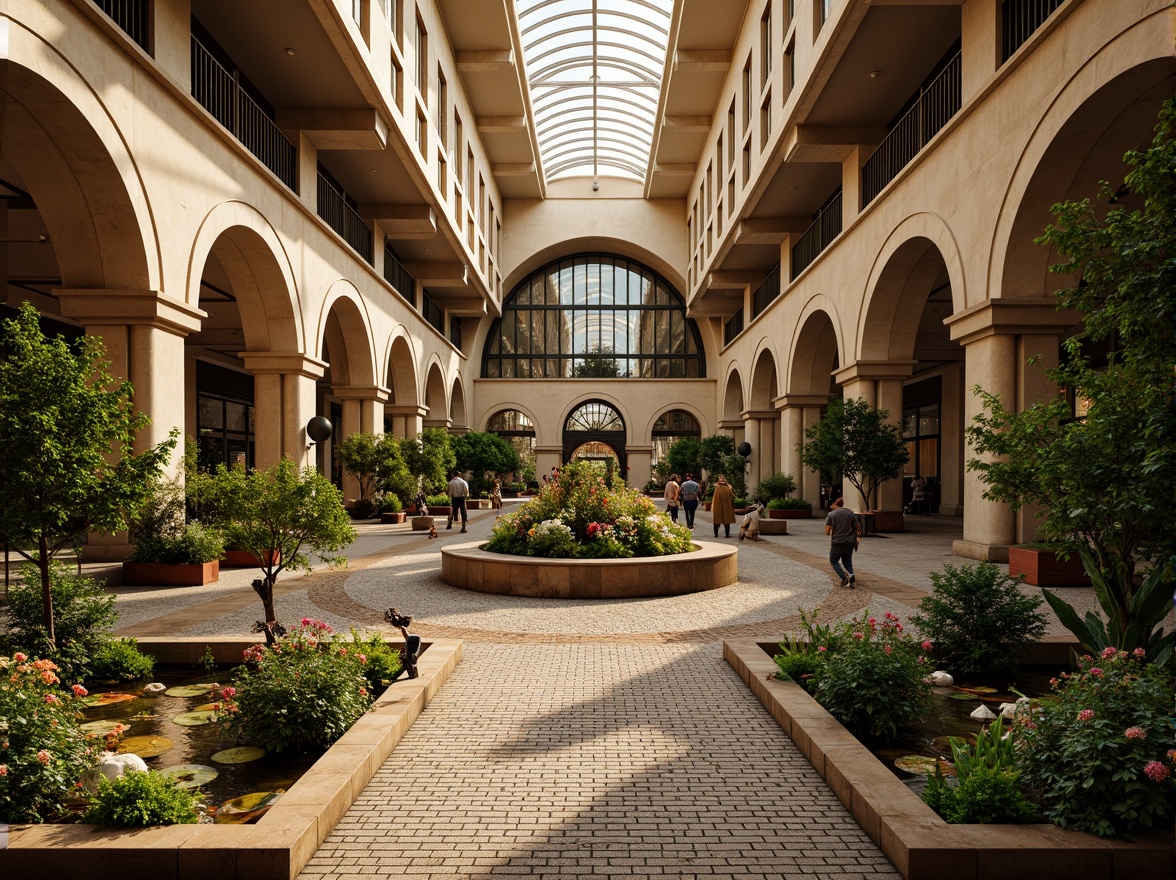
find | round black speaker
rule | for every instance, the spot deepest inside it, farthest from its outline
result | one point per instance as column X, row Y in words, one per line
column 744, row 449
column 319, row 429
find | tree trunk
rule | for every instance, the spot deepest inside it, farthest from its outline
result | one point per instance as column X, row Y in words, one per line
column 43, row 563
column 267, row 602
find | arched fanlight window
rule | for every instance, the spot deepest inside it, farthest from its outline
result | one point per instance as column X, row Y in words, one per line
column 517, row 428
column 671, row 426
column 593, row 316
column 595, row 416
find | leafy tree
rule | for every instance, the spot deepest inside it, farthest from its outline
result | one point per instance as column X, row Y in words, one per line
column 483, row 453
column 375, row 461
column 682, row 458
column 599, row 363
column 282, row 516
column 429, row 457
column 714, row 453
column 855, row 441
column 66, row 431
column 1105, row 479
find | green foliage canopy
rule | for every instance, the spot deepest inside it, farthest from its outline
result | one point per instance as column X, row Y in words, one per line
column 373, row 461
column 429, row 457
column 482, row 454
column 855, row 441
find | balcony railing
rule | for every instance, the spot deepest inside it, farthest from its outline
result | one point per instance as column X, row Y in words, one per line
column 130, row 15
column 220, row 94
column 766, row 293
column 938, row 103
column 1019, row 19
column 817, row 237
column 341, row 217
column 396, row 275
column 455, row 332
column 432, row 312
column 733, row 326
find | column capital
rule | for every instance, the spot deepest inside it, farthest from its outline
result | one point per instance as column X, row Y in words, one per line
column 96, row 307
column 787, row 401
column 874, row 370
column 377, row 393
column 283, row 362
column 437, row 423
column 406, row 409
column 759, row 414
column 1010, row 318
column 731, row 424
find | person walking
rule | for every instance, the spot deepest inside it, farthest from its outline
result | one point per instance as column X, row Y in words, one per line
column 459, row 490
column 495, row 494
column 688, row 493
column 842, row 527
column 673, row 490
column 723, row 506
column 918, row 495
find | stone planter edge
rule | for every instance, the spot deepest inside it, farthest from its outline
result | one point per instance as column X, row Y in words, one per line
column 162, row 574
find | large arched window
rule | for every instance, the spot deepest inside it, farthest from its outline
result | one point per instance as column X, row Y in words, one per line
column 671, row 426
column 593, row 316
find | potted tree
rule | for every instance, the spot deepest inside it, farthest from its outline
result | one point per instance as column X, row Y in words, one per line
column 169, row 550
column 774, row 491
column 855, row 440
column 374, row 461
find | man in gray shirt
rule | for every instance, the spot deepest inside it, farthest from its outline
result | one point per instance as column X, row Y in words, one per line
column 842, row 527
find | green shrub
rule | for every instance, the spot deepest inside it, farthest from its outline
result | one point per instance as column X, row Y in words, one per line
column 192, row 544
column 300, row 694
column 871, row 679
column 83, row 612
column 121, row 660
column 139, row 800
column 978, row 619
column 773, row 486
column 1097, row 753
column 986, row 796
column 789, row 504
column 390, row 504
column 381, row 662
column 797, row 665
column 43, row 751
column 437, row 501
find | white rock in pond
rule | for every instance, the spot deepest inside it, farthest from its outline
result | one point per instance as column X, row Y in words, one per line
column 983, row 713
column 112, row 766
column 154, row 688
column 1007, row 710
column 940, row 679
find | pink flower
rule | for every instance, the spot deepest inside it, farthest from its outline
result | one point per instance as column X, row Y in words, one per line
column 1096, row 672
column 821, row 649
column 19, row 657
column 898, row 627
column 1053, row 682
column 1135, row 733
column 48, row 677
column 51, row 698
column 43, row 757
column 229, row 692
column 362, row 658
column 306, row 621
column 926, row 646
column 888, row 649
column 1156, row 771
column 79, row 691
column 1085, row 714
column 1139, row 652
column 859, row 636
column 1030, row 725
column 872, row 621
column 1109, row 652
column 3, row 769
column 363, row 692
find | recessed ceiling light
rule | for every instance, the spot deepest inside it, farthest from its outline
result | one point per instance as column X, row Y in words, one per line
column 290, row 51
column 874, row 74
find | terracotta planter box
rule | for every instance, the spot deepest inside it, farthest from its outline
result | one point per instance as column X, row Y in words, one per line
column 392, row 517
column 802, row 513
column 160, row 574
column 243, row 559
column 441, row 512
column 887, row 520
column 1043, row 568
column 706, row 505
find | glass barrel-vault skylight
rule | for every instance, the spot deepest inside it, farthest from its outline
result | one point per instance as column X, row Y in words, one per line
column 594, row 69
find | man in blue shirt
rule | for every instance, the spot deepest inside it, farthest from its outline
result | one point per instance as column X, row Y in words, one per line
column 688, row 492
column 842, row 527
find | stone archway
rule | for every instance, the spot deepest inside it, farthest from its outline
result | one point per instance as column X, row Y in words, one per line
column 593, row 426
column 403, row 414
column 762, row 420
column 457, row 407
column 436, row 400
column 808, row 387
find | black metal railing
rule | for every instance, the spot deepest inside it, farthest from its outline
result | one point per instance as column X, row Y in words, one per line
column 817, row 237
column 219, row 92
column 130, row 15
column 432, row 312
column 937, row 104
column 455, row 332
column 766, row 293
column 341, row 217
column 400, row 279
column 1019, row 19
column 733, row 326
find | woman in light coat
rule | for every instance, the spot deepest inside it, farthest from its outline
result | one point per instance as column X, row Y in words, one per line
column 723, row 507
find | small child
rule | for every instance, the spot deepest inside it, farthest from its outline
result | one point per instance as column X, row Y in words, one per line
column 423, row 510
column 749, row 528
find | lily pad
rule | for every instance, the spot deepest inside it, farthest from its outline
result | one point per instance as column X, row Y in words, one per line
column 101, row 728
column 208, row 707
column 108, row 699
column 188, row 690
column 191, row 775
column 248, row 802
column 239, row 755
column 194, row 719
column 979, row 690
column 942, row 744
column 968, row 698
column 145, row 746
column 922, row 764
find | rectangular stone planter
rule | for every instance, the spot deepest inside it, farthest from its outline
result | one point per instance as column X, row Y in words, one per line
column 919, row 843
column 280, row 844
column 160, row 574
column 791, row 513
column 888, row 520
column 477, row 504
column 1043, row 568
column 392, row 517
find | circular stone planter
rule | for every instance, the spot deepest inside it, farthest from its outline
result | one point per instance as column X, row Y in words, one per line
column 709, row 567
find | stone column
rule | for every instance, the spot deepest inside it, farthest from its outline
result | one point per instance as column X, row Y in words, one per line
column 760, row 431
column 143, row 332
column 798, row 411
column 639, row 461
column 810, row 480
column 878, row 383
column 284, row 401
column 360, row 407
column 407, row 418
column 546, row 458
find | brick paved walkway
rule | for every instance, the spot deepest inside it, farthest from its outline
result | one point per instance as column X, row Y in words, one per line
column 596, row 760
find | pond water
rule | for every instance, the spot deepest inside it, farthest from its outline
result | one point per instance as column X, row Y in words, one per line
column 177, row 730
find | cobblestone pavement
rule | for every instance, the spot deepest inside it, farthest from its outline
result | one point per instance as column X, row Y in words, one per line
column 596, row 760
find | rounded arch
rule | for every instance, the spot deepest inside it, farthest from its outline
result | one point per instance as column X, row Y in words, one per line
column 1108, row 106
column 436, row 398
column 815, row 350
column 509, row 407
column 733, row 405
column 921, row 254
column 78, row 168
column 401, row 373
column 247, row 246
column 595, row 244
column 595, row 421
column 764, row 382
column 344, row 331
column 686, row 407
column 457, row 407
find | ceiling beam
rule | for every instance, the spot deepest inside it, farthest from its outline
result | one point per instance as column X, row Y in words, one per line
column 502, row 124
column 439, row 274
column 770, row 230
column 732, row 279
column 402, row 221
column 513, row 169
column 702, row 60
column 818, row 143
column 686, row 124
column 675, row 169
column 335, row 129
column 486, row 61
